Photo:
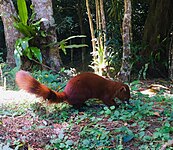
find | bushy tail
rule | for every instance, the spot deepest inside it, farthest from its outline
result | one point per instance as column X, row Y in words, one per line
column 26, row 82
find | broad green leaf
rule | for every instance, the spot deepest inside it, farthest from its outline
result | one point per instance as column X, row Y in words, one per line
column 167, row 124
column 157, row 135
column 141, row 134
column 28, row 31
column 135, row 82
column 28, row 53
column 26, row 39
column 43, row 34
column 75, row 36
column 112, row 108
column 116, row 113
column 61, row 135
column 108, row 112
column 18, row 47
column 69, row 142
column 24, row 43
column 76, row 46
column 62, row 145
column 128, row 138
column 17, row 58
column 31, row 29
column 63, row 49
column 24, row 29
column 86, row 142
column 37, row 53
column 23, row 12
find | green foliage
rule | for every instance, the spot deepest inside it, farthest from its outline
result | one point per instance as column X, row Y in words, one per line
column 7, row 77
column 23, row 12
column 22, row 48
column 143, row 72
column 54, row 81
column 114, row 40
column 31, row 30
column 27, row 26
column 99, row 62
column 114, row 47
column 141, row 64
column 63, row 44
column 163, row 133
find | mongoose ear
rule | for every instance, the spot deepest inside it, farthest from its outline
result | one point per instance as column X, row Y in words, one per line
column 123, row 89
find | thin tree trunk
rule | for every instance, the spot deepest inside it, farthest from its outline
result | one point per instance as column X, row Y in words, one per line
column 44, row 9
column 7, row 13
column 82, row 30
column 99, row 24
column 171, row 57
column 92, row 33
column 103, row 26
column 125, row 70
column 100, row 44
column 99, row 38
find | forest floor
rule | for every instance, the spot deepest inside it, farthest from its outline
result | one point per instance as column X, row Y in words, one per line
column 28, row 123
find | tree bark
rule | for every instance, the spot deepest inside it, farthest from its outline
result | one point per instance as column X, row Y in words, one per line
column 158, row 23
column 156, row 35
column 125, row 70
column 103, row 26
column 171, row 57
column 44, row 9
column 7, row 13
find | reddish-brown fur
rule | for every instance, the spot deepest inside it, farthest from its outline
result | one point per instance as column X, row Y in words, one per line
column 79, row 89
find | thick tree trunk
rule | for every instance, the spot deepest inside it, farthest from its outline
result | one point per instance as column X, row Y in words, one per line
column 125, row 70
column 7, row 13
column 44, row 9
column 156, row 33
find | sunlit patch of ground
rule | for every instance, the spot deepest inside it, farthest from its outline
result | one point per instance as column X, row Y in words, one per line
column 151, row 88
column 9, row 96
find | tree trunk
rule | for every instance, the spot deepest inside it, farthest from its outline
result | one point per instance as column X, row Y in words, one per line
column 44, row 9
column 171, row 57
column 125, row 70
column 103, row 26
column 82, row 30
column 92, row 34
column 99, row 44
column 7, row 11
column 156, row 33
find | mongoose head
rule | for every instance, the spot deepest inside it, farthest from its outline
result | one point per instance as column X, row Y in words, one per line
column 124, row 93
